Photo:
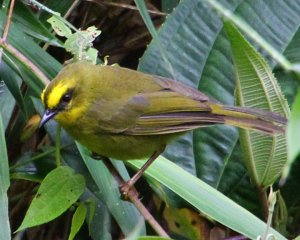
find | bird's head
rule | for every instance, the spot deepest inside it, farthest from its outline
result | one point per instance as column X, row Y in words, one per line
column 63, row 97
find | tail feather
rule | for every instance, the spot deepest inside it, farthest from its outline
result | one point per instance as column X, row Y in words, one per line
column 182, row 121
column 260, row 120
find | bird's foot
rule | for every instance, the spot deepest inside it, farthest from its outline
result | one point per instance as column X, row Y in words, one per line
column 127, row 191
column 96, row 156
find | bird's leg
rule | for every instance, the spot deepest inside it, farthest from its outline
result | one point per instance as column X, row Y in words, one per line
column 131, row 190
column 125, row 187
column 133, row 196
column 96, row 156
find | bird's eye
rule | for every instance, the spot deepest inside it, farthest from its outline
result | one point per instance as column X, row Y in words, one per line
column 66, row 98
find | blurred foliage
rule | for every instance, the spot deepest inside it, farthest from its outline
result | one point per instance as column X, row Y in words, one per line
column 191, row 46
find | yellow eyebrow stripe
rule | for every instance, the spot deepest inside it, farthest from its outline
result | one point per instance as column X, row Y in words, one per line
column 55, row 95
column 43, row 95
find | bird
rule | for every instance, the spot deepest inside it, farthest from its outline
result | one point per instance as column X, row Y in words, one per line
column 125, row 114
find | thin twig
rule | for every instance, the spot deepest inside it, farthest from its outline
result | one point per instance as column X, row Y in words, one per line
column 122, row 5
column 7, row 25
column 22, row 58
column 133, row 197
column 73, row 6
column 48, row 10
column 271, row 204
column 5, row 32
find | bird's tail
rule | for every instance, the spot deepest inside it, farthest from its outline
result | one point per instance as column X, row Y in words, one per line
column 247, row 118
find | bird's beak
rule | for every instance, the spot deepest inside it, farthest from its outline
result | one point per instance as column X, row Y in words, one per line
column 49, row 113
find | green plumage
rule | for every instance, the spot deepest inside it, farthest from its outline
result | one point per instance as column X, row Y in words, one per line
column 125, row 114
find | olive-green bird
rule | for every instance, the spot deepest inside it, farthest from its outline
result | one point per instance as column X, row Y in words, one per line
column 125, row 114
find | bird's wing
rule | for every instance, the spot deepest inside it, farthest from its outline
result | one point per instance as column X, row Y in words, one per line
column 170, row 107
column 147, row 110
column 170, row 112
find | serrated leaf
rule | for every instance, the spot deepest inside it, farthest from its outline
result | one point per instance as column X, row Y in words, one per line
column 77, row 220
column 60, row 28
column 205, row 55
column 58, row 191
column 257, row 88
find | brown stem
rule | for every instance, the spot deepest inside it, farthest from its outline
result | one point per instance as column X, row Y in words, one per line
column 15, row 52
column 264, row 202
column 133, row 197
column 5, row 32
column 25, row 61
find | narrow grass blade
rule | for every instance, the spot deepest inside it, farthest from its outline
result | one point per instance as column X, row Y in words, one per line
column 4, row 185
column 205, row 198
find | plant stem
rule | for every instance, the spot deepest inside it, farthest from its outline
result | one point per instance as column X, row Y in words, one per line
column 264, row 202
column 133, row 197
column 39, row 74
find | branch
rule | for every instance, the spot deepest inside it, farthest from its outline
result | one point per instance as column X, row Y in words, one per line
column 6, row 28
column 133, row 197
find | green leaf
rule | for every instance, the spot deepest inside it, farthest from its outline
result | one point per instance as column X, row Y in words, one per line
column 32, row 26
column 298, row 237
column 99, row 181
column 4, row 169
column 200, row 56
column 169, row 5
column 196, row 53
column 257, row 88
column 293, row 136
column 100, row 227
column 58, row 191
column 32, row 51
column 280, row 218
column 124, row 212
column 145, row 15
column 13, row 83
column 77, row 220
column 60, row 28
column 250, row 31
column 205, row 198
column 7, row 103
column 80, row 43
column 4, row 185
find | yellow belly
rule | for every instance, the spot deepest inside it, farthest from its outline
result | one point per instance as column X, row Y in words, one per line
column 123, row 147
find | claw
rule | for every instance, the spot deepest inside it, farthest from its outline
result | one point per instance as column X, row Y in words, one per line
column 126, row 190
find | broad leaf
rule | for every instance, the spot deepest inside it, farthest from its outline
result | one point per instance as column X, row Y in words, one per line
column 205, row 198
column 78, row 220
column 58, row 191
column 257, row 88
column 200, row 56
